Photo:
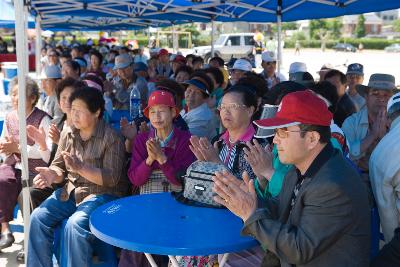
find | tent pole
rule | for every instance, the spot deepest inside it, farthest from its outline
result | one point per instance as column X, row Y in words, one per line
column 173, row 39
column 279, row 22
column 148, row 37
column 20, row 35
column 38, row 46
column 26, row 40
column 212, row 37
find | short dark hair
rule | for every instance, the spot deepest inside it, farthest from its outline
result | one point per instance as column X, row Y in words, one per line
column 197, row 59
column 68, row 82
column 93, row 99
column 254, row 81
column 217, row 74
column 190, row 56
column 219, row 60
column 248, row 96
column 66, row 54
column 73, row 65
column 324, row 132
column 327, row 91
column 184, row 68
column 97, row 54
column 333, row 73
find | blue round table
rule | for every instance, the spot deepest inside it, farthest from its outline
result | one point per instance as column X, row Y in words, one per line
column 158, row 224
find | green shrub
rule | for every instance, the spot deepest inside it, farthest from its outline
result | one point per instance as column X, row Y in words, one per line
column 368, row 43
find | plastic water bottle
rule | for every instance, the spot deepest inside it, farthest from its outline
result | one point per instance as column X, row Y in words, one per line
column 135, row 104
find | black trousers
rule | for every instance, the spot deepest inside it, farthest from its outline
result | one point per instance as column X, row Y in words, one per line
column 389, row 255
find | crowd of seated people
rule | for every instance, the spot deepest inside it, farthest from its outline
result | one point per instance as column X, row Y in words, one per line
column 205, row 111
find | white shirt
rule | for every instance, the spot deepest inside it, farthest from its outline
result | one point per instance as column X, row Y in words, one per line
column 201, row 121
column 34, row 151
column 355, row 129
column 384, row 172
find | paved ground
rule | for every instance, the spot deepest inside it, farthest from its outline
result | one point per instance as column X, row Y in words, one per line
column 8, row 255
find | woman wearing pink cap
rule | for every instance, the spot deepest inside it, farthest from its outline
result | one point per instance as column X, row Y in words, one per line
column 159, row 157
column 162, row 153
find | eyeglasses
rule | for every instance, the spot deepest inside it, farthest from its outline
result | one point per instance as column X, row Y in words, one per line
column 284, row 133
column 230, row 107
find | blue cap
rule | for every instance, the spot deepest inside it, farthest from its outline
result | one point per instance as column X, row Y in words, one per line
column 199, row 83
column 81, row 61
column 51, row 72
column 122, row 61
column 355, row 68
column 140, row 66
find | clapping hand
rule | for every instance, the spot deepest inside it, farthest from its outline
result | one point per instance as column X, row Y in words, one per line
column 128, row 130
column 155, row 151
column 54, row 133
column 45, row 177
column 37, row 135
column 260, row 159
column 380, row 125
column 238, row 196
column 72, row 162
column 203, row 150
column 9, row 146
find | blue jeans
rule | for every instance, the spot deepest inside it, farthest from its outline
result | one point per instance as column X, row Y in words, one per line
column 77, row 235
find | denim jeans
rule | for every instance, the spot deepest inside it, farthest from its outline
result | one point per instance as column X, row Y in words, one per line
column 77, row 235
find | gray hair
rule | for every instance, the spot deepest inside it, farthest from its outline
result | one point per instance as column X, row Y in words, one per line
column 32, row 89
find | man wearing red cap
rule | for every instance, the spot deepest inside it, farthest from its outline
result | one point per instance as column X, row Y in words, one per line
column 321, row 217
column 164, row 68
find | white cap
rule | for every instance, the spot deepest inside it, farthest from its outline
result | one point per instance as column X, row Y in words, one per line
column 242, row 64
column 268, row 56
column 297, row 67
column 391, row 105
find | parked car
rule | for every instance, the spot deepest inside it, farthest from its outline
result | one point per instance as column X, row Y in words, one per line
column 236, row 45
column 393, row 48
column 344, row 47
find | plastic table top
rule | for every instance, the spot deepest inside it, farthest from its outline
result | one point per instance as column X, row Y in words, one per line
column 158, row 224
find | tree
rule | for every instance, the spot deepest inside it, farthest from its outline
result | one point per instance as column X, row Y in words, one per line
column 360, row 27
column 316, row 25
column 335, row 26
column 396, row 25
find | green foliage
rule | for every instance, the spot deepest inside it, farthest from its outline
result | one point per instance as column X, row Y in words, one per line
column 360, row 27
column 368, row 43
column 298, row 36
column 315, row 26
column 289, row 26
column 335, row 27
column 396, row 25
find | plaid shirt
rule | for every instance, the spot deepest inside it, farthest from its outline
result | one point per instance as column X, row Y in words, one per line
column 104, row 150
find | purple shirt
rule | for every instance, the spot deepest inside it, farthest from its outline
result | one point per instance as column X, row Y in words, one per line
column 179, row 157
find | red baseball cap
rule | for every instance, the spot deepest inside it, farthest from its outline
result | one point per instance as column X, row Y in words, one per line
column 163, row 52
column 303, row 107
column 179, row 59
column 160, row 97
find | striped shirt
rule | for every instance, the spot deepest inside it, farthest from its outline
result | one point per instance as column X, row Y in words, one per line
column 104, row 150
